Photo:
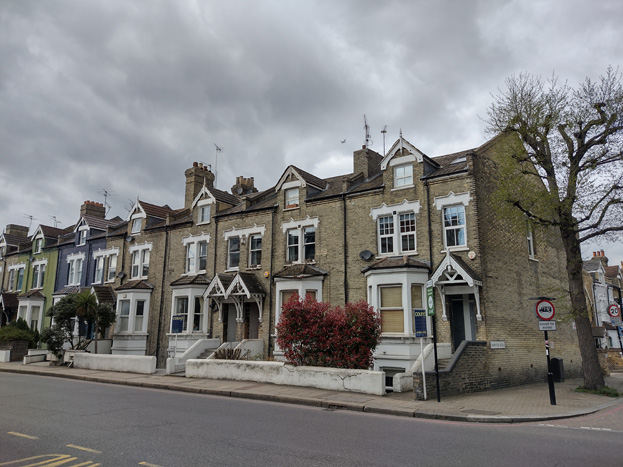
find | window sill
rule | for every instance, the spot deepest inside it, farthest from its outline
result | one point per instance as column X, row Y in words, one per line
column 532, row 258
column 455, row 248
column 291, row 207
column 254, row 268
column 203, row 223
column 232, row 269
column 404, row 187
column 395, row 255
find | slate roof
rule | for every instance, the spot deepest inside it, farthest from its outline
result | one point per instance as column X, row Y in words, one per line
column 9, row 300
column 311, row 179
column 153, row 210
column 612, row 271
column 591, row 265
column 99, row 223
column 15, row 240
column 104, row 294
column 396, row 262
column 251, row 282
column 199, row 279
column 223, row 196
column 54, row 232
column 35, row 293
column 67, row 290
column 135, row 285
column 300, row 270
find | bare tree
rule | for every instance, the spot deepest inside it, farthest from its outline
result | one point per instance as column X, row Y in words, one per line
column 572, row 140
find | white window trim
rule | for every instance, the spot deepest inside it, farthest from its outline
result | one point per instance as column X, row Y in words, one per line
column 201, row 205
column 408, row 185
column 38, row 238
column 191, row 293
column 192, row 241
column 300, row 285
column 139, row 248
column 300, row 226
column 16, row 267
column 39, row 263
column 84, row 228
column 452, row 199
column 255, row 266
column 133, row 297
column 395, row 210
column 74, row 258
column 29, row 304
column 105, row 256
column 377, row 279
column 229, row 267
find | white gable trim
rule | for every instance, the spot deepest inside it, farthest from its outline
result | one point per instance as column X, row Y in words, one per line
column 133, row 212
column 198, row 201
column 401, row 143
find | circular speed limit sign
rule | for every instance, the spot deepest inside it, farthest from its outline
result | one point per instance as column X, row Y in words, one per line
column 545, row 310
column 614, row 311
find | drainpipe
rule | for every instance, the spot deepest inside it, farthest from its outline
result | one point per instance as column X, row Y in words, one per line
column 164, row 270
column 271, row 280
column 210, row 317
column 345, row 248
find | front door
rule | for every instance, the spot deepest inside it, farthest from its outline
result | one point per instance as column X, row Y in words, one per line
column 229, row 323
column 462, row 319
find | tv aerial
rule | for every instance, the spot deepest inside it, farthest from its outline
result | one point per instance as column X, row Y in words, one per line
column 366, row 127
column 218, row 149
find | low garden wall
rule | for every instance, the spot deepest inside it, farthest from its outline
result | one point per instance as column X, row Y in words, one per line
column 335, row 379
column 127, row 363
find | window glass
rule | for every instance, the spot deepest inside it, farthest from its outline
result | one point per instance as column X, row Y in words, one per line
column 392, row 315
column 403, row 175
column 112, row 267
column 198, row 315
column 454, row 225
column 386, row 234
column 35, row 315
column 407, row 232
column 204, row 214
column 20, row 279
column 138, row 318
column 136, row 225
column 99, row 269
column 181, row 309
column 145, row 255
column 82, row 237
column 255, row 250
column 293, row 245
column 292, row 197
column 309, row 238
column 202, row 248
column 11, row 279
column 124, row 315
column 135, row 264
column 233, row 257
column 190, row 258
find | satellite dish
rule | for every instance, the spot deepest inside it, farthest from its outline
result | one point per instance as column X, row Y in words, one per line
column 121, row 275
column 129, row 239
column 365, row 255
column 239, row 190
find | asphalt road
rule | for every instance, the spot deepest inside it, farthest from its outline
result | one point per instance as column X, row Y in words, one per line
column 48, row 421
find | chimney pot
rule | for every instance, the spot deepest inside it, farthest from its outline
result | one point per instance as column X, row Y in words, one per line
column 195, row 164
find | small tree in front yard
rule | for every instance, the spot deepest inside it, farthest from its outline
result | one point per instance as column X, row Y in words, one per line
column 312, row 333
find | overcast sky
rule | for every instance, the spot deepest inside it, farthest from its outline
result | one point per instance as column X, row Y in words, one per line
column 123, row 96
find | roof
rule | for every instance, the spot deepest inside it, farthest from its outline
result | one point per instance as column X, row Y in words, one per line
column 54, row 232
column 311, row 179
column 392, row 262
column 135, row 285
column 104, row 294
column 35, row 293
column 223, row 196
column 300, row 270
column 200, row 279
column 99, row 223
column 67, row 290
column 612, row 271
column 250, row 282
column 9, row 300
column 592, row 265
column 153, row 210
column 15, row 240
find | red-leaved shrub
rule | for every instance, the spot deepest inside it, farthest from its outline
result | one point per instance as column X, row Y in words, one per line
column 314, row 334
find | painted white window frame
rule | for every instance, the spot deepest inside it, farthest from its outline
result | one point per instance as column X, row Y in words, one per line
column 76, row 262
column 16, row 270
column 133, row 297
column 112, row 271
column 395, row 211
column 38, row 273
column 530, row 240
column 25, row 309
column 403, row 176
column 82, row 235
column 233, row 253
column 448, row 201
column 139, row 257
column 300, row 226
column 205, row 211
column 99, row 269
column 136, row 225
column 376, row 279
column 191, row 294
column 243, row 234
column 255, row 253
column 11, row 283
column 192, row 250
column 291, row 197
column 38, row 245
column 300, row 286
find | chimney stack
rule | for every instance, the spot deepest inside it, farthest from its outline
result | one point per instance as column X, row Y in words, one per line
column 17, row 230
column 366, row 161
column 601, row 256
column 91, row 208
column 196, row 176
column 243, row 186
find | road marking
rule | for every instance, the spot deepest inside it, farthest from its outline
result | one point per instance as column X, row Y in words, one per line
column 82, row 448
column 148, row 464
column 21, row 434
column 53, row 460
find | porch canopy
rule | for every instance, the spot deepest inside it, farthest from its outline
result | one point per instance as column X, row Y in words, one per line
column 236, row 288
column 452, row 277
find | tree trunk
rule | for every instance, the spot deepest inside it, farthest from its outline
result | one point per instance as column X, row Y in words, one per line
column 593, row 377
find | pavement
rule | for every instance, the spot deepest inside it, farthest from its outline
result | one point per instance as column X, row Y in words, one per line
column 526, row 403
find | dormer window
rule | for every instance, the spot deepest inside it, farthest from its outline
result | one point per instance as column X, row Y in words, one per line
column 403, row 176
column 38, row 245
column 82, row 236
column 136, row 225
column 292, row 198
column 204, row 214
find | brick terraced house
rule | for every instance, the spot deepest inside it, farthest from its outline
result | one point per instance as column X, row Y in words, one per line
column 220, row 268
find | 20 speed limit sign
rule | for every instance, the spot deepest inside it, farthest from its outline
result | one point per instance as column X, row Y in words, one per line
column 614, row 311
column 545, row 310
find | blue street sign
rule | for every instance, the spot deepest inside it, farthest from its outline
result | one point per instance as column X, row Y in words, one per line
column 419, row 323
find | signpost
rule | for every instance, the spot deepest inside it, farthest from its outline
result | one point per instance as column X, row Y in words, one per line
column 545, row 311
column 430, row 307
column 419, row 327
column 177, row 326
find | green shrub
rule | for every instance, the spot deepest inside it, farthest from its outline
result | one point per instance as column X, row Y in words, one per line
column 12, row 333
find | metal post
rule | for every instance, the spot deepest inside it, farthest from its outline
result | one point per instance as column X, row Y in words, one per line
column 436, row 362
column 550, row 375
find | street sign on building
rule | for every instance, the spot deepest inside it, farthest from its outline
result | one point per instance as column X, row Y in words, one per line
column 614, row 311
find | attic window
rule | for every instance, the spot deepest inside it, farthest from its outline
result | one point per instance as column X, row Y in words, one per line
column 292, row 198
column 38, row 245
column 403, row 176
column 459, row 160
column 136, row 225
